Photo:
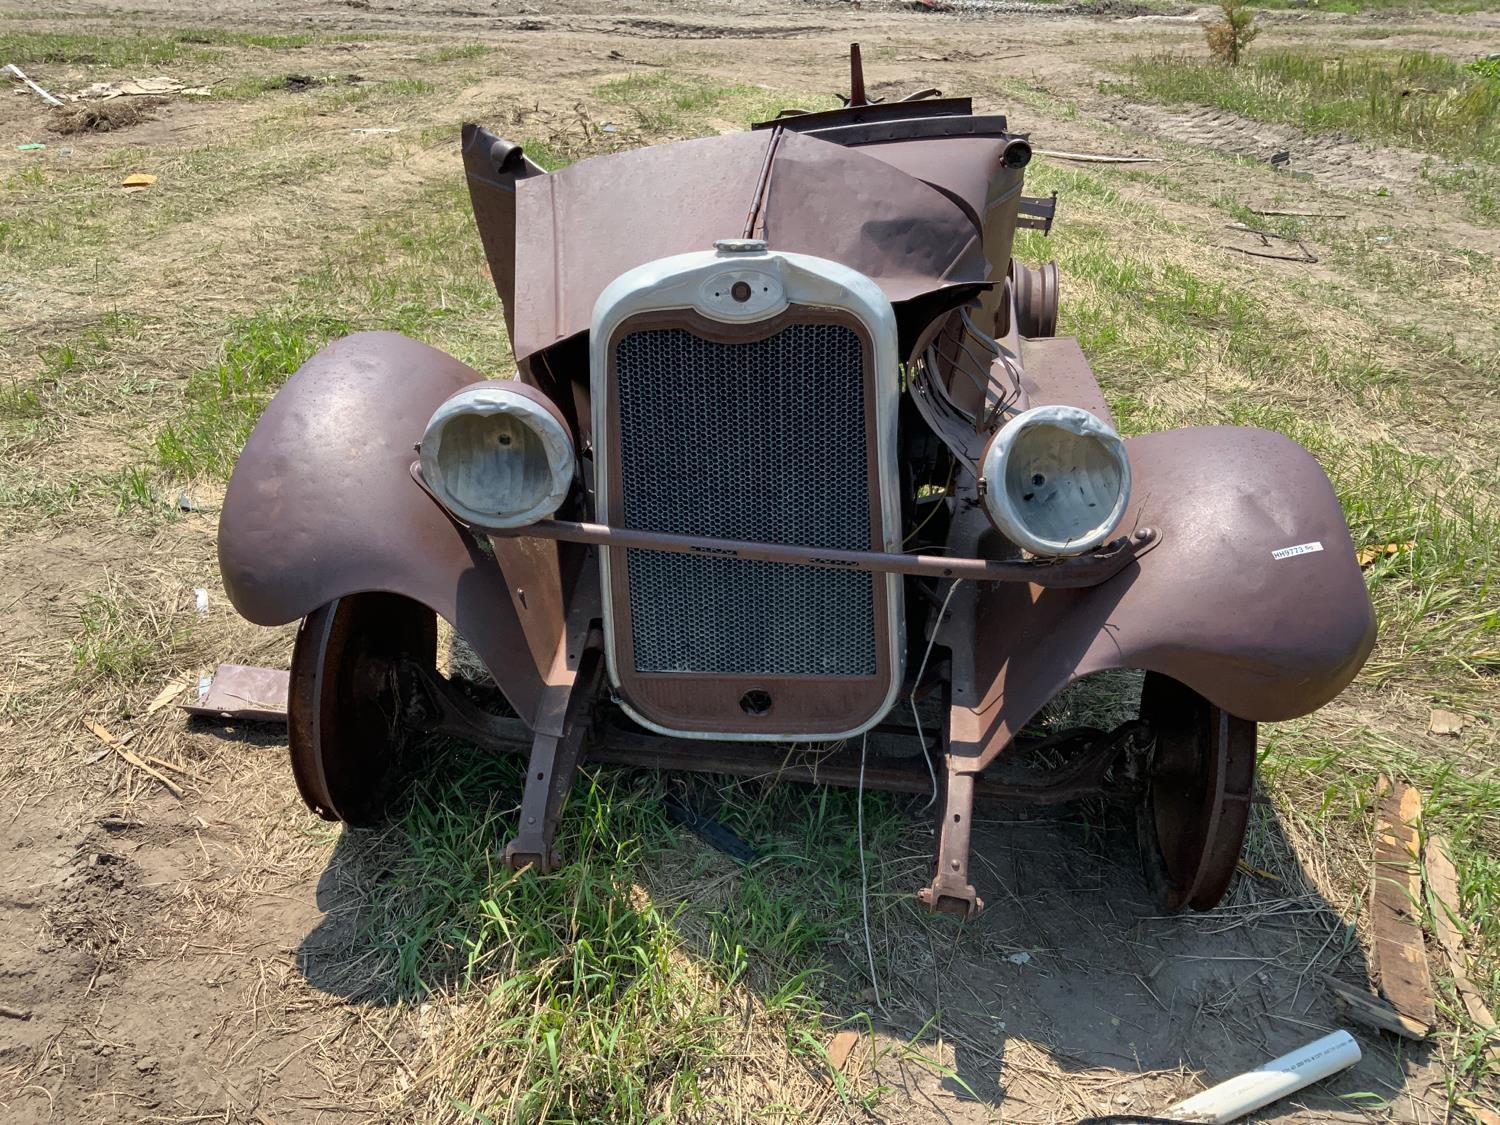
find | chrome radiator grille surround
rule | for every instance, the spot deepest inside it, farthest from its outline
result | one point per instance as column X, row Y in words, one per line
column 747, row 395
column 763, row 440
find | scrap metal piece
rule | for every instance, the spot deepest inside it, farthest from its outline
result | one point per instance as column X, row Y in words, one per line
column 241, row 691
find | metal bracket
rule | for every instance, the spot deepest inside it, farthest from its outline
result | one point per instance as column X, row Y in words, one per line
column 950, row 891
column 1037, row 212
column 553, row 766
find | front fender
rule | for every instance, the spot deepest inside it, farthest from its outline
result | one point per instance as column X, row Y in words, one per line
column 1218, row 604
column 322, row 505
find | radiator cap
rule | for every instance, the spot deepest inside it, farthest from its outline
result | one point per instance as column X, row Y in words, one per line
column 740, row 245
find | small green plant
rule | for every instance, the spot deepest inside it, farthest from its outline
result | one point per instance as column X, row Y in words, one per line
column 119, row 637
column 1487, row 68
column 1228, row 40
column 132, row 490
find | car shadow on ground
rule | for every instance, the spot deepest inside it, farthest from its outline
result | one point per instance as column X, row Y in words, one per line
column 1071, row 981
column 1070, row 995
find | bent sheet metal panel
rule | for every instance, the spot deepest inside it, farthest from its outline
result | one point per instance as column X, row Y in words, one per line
column 1266, row 638
column 322, row 504
column 581, row 227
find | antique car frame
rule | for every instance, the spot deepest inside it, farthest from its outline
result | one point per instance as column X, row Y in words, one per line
column 793, row 456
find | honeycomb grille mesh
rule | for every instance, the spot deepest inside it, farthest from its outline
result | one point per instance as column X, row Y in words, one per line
column 761, row 441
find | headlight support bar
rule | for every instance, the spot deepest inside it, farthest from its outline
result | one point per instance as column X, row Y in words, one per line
column 1063, row 573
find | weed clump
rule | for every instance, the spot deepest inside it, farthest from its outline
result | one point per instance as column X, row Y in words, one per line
column 104, row 116
column 1228, row 39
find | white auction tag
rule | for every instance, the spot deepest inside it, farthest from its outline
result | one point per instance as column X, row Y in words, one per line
column 1299, row 549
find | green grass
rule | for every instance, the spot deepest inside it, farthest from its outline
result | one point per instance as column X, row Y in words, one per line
column 1424, row 101
column 402, row 87
column 672, row 102
column 459, row 51
column 72, row 379
column 121, row 637
column 418, row 273
column 223, row 402
column 119, row 51
column 584, row 995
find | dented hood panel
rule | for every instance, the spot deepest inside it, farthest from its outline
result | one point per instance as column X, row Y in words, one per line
column 580, row 228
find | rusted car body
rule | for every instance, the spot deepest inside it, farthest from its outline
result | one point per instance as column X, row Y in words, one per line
column 793, row 457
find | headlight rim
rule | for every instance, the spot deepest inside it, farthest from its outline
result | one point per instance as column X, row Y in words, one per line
column 997, row 502
column 539, row 413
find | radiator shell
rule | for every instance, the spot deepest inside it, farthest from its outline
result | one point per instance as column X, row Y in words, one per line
column 769, row 419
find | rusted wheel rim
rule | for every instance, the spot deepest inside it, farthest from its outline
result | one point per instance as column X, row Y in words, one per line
column 343, row 706
column 1036, row 293
column 1197, row 803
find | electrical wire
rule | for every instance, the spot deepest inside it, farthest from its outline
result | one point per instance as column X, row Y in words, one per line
column 864, row 875
column 916, row 686
column 937, row 504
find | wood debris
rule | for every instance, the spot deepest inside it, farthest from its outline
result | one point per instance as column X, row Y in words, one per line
column 1263, row 249
column 118, row 746
column 1366, row 1008
column 1400, row 953
column 840, row 1048
column 170, row 691
column 1447, row 922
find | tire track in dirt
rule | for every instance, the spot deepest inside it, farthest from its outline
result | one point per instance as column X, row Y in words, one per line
column 1335, row 160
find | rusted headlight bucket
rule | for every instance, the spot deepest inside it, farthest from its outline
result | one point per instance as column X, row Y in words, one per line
column 1056, row 480
column 498, row 454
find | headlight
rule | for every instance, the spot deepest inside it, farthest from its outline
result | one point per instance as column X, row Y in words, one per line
column 498, row 454
column 1056, row 480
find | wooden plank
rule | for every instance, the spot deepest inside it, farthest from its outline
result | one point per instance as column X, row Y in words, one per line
column 1400, row 953
column 1368, row 1009
column 1443, row 895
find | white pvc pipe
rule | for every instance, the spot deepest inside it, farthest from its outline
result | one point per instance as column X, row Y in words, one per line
column 1276, row 1079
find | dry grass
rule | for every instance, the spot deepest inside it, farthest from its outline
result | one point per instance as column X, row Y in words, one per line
column 103, row 116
